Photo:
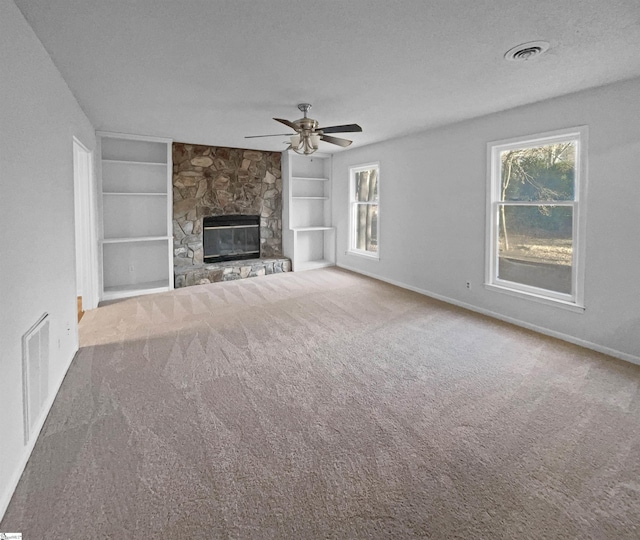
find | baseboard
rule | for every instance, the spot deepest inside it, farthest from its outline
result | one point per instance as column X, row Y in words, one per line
column 540, row 329
column 9, row 489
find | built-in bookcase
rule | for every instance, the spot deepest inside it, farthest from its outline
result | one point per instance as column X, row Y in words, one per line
column 136, row 208
column 308, row 236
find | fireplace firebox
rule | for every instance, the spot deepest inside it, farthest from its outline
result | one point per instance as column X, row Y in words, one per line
column 231, row 238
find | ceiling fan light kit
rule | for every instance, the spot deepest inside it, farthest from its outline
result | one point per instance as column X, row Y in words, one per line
column 303, row 144
column 308, row 135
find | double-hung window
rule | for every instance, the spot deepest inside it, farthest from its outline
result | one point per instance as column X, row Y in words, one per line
column 535, row 213
column 364, row 184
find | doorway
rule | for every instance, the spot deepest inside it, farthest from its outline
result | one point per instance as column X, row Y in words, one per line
column 86, row 260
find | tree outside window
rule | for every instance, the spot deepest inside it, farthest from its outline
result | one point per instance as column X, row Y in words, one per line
column 364, row 188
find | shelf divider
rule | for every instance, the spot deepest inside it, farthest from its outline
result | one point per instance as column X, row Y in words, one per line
column 134, row 239
column 317, row 228
column 133, row 162
column 145, row 193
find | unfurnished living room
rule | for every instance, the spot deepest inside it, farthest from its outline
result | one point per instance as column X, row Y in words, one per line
column 301, row 269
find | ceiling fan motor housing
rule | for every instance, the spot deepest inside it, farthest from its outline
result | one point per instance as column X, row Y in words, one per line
column 307, row 124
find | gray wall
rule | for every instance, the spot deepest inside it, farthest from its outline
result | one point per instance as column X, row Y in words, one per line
column 433, row 205
column 39, row 117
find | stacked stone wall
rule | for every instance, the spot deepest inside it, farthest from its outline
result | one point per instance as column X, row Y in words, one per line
column 216, row 181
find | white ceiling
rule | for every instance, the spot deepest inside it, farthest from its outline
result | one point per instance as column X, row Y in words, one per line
column 213, row 71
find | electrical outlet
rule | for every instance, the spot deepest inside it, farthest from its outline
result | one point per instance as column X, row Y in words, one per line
column 468, row 284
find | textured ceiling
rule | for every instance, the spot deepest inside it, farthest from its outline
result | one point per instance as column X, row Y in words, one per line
column 211, row 72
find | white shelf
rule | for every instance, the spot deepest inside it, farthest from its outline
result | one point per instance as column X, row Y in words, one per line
column 314, row 178
column 117, row 147
column 147, row 194
column 127, row 162
column 318, row 228
column 312, row 198
column 120, row 176
column 134, row 239
column 124, row 291
column 312, row 265
column 134, row 217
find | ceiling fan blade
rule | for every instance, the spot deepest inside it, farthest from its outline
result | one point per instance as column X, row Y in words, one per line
column 347, row 128
column 336, row 140
column 288, row 124
column 276, row 135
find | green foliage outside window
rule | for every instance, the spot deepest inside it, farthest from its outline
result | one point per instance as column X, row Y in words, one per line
column 541, row 174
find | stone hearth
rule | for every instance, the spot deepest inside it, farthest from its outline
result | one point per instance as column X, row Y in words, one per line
column 228, row 271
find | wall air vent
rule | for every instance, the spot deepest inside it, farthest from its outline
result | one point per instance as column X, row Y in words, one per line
column 527, row 51
column 35, row 374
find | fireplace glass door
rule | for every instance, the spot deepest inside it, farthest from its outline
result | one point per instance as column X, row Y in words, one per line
column 231, row 238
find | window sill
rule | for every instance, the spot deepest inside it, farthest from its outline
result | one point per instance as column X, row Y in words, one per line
column 364, row 255
column 563, row 304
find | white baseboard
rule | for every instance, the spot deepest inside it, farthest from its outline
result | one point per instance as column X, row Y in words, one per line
column 9, row 488
column 541, row 330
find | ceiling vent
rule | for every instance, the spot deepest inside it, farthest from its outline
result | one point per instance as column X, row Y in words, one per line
column 526, row 51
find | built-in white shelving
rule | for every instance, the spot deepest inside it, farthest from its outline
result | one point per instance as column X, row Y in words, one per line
column 308, row 235
column 136, row 209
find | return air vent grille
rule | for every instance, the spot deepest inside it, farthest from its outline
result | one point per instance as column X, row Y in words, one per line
column 35, row 373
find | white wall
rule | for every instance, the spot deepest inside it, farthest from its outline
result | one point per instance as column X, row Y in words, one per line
column 432, row 214
column 38, row 119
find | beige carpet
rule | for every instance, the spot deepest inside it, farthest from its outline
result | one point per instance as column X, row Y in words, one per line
column 324, row 404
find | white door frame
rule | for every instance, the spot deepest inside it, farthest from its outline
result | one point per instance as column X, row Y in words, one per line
column 85, row 225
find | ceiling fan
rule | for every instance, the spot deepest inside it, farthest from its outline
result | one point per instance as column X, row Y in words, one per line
column 308, row 135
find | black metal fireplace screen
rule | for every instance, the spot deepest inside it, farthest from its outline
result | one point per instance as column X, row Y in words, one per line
column 231, row 238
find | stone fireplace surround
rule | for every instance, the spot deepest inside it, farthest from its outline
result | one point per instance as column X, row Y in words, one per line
column 215, row 181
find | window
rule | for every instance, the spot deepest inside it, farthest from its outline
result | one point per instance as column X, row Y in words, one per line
column 364, row 182
column 535, row 220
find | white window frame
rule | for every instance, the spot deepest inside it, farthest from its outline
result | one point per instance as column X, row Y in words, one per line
column 353, row 204
column 575, row 300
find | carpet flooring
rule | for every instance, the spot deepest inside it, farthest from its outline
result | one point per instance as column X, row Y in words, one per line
column 325, row 404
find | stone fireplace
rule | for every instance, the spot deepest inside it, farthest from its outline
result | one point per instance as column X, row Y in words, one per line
column 213, row 182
